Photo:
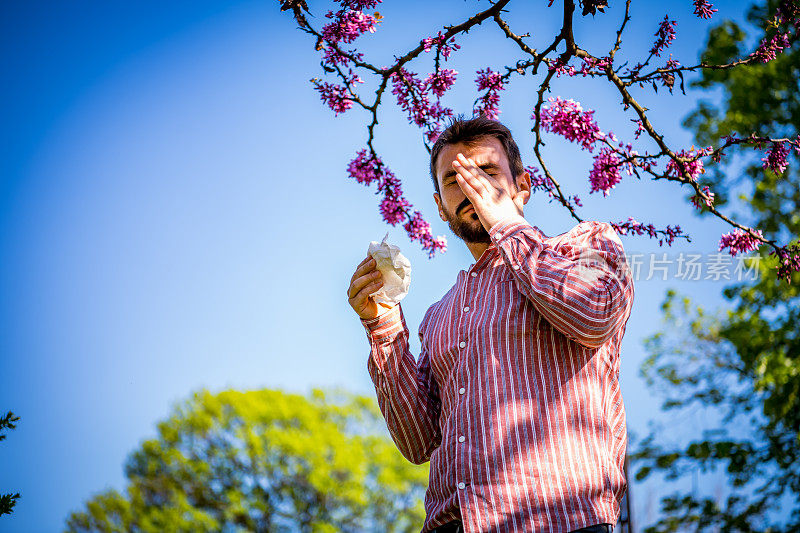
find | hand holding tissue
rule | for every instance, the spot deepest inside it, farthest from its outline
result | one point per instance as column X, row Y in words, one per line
column 395, row 269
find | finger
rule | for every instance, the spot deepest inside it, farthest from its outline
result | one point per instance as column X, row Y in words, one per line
column 465, row 182
column 468, row 171
column 359, row 300
column 363, row 281
column 367, row 265
column 479, row 175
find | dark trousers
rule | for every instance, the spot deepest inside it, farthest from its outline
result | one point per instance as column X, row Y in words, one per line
column 456, row 527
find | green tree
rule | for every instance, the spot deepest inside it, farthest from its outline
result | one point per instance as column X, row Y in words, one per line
column 265, row 460
column 8, row 501
column 743, row 362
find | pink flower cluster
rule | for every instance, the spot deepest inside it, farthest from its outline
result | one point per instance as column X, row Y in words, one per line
column 631, row 225
column 359, row 4
column 331, row 56
column 335, row 96
column 420, row 230
column 440, row 81
column 367, row 168
column 703, row 9
column 541, row 183
column 412, row 97
column 665, row 34
column 567, row 118
column 739, row 241
column 589, row 66
column 709, row 198
column 491, row 82
column 668, row 78
column 605, row 172
column 347, row 25
column 788, row 261
column 775, row 159
column 771, row 47
column 443, row 46
column 690, row 161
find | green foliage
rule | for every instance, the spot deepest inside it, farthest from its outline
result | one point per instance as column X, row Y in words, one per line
column 265, row 460
column 8, row 501
column 742, row 363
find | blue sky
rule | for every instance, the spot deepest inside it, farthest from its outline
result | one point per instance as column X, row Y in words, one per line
column 175, row 214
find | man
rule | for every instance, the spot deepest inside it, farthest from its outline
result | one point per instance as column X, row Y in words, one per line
column 515, row 398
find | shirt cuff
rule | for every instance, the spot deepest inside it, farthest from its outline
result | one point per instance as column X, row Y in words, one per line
column 507, row 227
column 385, row 326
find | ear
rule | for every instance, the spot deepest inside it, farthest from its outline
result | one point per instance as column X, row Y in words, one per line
column 438, row 200
column 523, row 189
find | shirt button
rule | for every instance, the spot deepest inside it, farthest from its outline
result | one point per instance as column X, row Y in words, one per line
column 474, row 274
column 462, row 485
column 462, row 390
column 498, row 235
column 462, row 438
column 515, row 267
column 466, row 309
column 462, row 344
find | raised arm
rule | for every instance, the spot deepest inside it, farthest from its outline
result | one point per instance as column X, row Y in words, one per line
column 582, row 286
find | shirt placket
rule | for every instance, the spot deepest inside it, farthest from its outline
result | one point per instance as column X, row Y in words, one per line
column 465, row 310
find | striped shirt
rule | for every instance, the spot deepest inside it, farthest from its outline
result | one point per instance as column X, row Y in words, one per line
column 515, row 397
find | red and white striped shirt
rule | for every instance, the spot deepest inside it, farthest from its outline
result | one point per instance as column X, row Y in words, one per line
column 515, row 398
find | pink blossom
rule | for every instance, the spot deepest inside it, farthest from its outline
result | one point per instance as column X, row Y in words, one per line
column 440, row 81
column 639, row 128
column 443, row 46
column 665, row 34
column 605, row 172
column 631, row 225
column 694, row 165
column 739, row 241
column 359, row 4
column 410, row 92
column 589, row 66
column 788, row 261
column 412, row 97
column 770, row 47
column 335, row 96
column 347, row 26
column 703, row 9
column 331, row 56
column 567, row 118
column 560, row 67
column 668, row 78
column 541, row 183
column 433, row 133
column 491, row 82
column 365, row 168
column 420, row 230
column 776, row 158
column 709, row 198
column 392, row 208
column 598, row 64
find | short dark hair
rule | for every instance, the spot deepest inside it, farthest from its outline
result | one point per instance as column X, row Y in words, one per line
column 469, row 132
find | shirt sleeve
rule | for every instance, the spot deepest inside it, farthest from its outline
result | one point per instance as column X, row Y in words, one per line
column 583, row 286
column 408, row 395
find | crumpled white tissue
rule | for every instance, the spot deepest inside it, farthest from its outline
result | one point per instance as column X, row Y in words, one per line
column 396, row 271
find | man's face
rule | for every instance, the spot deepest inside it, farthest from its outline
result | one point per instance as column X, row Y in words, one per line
column 454, row 206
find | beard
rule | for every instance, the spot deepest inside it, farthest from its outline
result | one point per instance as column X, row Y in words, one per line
column 469, row 230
